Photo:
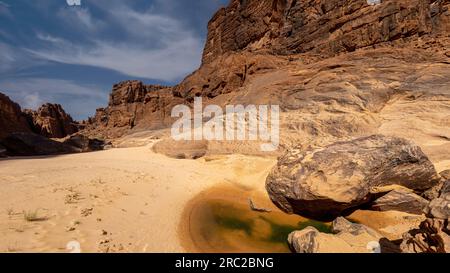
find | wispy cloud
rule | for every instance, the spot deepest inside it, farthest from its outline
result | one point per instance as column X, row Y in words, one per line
column 157, row 47
column 79, row 18
column 5, row 10
column 13, row 59
column 4, row 4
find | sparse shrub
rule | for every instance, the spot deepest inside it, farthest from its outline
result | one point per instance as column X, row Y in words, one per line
column 33, row 216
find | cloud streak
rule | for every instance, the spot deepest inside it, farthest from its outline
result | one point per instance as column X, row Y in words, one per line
column 157, row 47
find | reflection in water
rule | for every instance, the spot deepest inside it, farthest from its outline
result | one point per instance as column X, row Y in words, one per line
column 222, row 221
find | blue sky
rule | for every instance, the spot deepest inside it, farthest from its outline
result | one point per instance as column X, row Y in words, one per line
column 53, row 52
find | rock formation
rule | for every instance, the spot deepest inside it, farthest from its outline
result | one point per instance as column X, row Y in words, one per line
column 51, row 121
column 433, row 236
column 30, row 144
column 133, row 105
column 338, row 71
column 439, row 207
column 28, row 132
column 324, row 183
column 347, row 238
column 321, row 27
column 11, row 117
column 401, row 200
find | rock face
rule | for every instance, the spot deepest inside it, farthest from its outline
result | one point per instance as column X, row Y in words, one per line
column 401, row 200
column 322, row 27
column 347, row 238
column 51, row 121
column 11, row 117
column 325, row 183
column 433, row 236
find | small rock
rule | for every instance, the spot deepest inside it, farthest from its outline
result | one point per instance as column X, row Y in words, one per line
column 70, row 228
column 349, row 238
column 400, row 200
column 256, row 208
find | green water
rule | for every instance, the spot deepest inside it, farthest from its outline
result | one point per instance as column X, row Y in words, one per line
column 234, row 227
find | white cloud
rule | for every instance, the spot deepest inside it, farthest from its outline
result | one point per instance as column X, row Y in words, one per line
column 168, row 63
column 32, row 101
column 154, row 47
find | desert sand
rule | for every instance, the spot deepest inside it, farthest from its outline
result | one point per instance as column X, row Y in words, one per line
column 118, row 200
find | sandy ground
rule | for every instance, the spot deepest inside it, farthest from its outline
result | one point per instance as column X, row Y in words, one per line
column 119, row 200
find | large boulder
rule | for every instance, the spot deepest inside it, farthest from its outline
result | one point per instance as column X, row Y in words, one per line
column 84, row 143
column 328, row 182
column 347, row 238
column 51, row 121
column 401, row 200
column 433, row 236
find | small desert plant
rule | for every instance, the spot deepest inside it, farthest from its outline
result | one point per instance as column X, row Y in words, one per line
column 33, row 216
column 10, row 212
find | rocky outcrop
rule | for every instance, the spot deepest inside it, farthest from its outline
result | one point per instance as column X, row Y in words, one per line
column 12, row 119
column 347, row 238
column 133, row 105
column 320, row 27
column 3, row 151
column 325, row 183
column 433, row 236
column 30, row 144
column 84, row 144
column 51, row 121
column 440, row 207
column 400, row 200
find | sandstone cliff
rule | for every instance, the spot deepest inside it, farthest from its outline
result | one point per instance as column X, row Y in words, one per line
column 322, row 27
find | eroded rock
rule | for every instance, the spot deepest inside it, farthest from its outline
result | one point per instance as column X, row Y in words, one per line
column 326, row 183
column 12, row 120
column 348, row 238
column 30, row 144
column 401, row 200
column 51, row 121
column 84, row 143
column 433, row 236
column 323, row 27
